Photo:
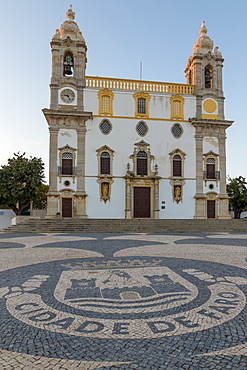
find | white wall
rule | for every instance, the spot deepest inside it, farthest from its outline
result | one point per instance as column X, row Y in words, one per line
column 210, row 143
column 122, row 139
column 99, row 209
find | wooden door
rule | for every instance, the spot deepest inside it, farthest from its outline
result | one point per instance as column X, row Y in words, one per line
column 66, row 207
column 210, row 171
column 67, row 168
column 142, row 202
column 210, row 208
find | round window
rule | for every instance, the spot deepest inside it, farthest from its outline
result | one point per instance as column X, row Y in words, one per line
column 66, row 183
column 105, row 127
column 177, row 130
column 142, row 128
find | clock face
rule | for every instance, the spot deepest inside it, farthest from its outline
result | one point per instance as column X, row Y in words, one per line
column 67, row 96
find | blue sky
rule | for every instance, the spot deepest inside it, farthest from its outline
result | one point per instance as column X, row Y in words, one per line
column 119, row 34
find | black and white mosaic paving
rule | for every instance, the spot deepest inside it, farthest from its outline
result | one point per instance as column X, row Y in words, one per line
column 125, row 301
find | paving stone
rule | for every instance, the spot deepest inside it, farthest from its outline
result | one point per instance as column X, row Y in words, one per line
column 123, row 301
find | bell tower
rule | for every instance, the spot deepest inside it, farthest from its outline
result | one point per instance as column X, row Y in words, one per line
column 204, row 71
column 67, row 122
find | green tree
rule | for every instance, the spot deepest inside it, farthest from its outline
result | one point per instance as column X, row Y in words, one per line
column 237, row 192
column 22, row 181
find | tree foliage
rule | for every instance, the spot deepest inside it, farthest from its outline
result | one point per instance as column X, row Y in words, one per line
column 237, row 192
column 22, row 181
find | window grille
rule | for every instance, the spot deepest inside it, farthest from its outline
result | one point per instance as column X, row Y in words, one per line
column 106, row 106
column 142, row 163
column 177, row 131
column 142, row 128
column 177, row 108
column 67, row 156
column 142, row 105
column 105, row 127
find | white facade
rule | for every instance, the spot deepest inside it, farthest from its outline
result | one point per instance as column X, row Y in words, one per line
column 135, row 149
column 122, row 139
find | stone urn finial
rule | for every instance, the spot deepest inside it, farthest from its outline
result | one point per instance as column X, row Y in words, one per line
column 70, row 15
column 203, row 29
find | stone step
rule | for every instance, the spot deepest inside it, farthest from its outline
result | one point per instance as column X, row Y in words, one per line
column 127, row 226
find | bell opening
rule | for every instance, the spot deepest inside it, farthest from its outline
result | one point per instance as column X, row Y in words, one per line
column 68, row 64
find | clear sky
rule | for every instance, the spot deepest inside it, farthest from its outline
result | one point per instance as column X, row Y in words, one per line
column 119, row 34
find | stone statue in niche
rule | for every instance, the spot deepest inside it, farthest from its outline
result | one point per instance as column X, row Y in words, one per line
column 177, row 193
column 105, row 187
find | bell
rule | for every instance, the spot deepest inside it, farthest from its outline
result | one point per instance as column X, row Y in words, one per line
column 67, row 70
column 68, row 63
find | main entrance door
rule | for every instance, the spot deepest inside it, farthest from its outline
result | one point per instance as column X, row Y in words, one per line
column 141, row 202
column 210, row 208
column 66, row 207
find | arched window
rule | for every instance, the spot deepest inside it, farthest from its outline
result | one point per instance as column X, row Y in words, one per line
column 67, row 164
column 105, row 163
column 177, row 107
column 177, row 162
column 208, row 75
column 68, row 64
column 141, row 106
column 142, row 163
column 210, row 163
column 177, row 166
column 105, row 102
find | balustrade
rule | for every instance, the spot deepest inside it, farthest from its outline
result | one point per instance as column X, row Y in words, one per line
column 135, row 85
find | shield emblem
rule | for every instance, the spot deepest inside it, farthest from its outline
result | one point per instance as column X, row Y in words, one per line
column 127, row 289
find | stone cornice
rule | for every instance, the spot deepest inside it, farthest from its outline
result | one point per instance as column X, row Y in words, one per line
column 210, row 123
column 71, row 115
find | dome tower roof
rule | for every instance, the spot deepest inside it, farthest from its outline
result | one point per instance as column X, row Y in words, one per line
column 204, row 42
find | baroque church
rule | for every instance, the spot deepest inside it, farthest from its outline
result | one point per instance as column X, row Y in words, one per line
column 124, row 148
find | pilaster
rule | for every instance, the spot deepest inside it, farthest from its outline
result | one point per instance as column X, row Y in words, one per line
column 53, row 160
column 199, row 196
column 156, row 198
column 128, row 198
column 80, row 195
column 223, row 197
column 81, row 134
column 80, row 206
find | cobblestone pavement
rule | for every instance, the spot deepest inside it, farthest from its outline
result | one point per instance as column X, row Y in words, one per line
column 123, row 301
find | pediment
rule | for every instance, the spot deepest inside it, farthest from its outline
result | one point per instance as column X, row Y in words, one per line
column 142, row 143
column 67, row 147
column 177, row 151
column 105, row 147
column 211, row 153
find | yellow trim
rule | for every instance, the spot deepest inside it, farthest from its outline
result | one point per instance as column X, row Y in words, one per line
column 141, row 95
column 174, row 113
column 147, row 119
column 110, row 95
column 137, row 85
column 209, row 106
column 210, row 116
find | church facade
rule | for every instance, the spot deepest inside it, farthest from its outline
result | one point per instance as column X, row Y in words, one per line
column 135, row 149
